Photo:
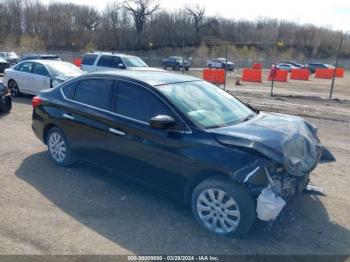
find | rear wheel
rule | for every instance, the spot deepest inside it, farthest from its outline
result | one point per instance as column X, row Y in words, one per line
column 13, row 88
column 223, row 207
column 59, row 148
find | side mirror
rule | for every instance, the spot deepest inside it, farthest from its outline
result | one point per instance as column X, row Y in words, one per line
column 121, row 66
column 162, row 122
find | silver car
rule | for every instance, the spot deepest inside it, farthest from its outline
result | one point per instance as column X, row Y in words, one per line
column 32, row 76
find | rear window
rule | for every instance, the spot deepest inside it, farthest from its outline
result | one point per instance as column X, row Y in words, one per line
column 88, row 59
column 69, row 89
column 95, row 92
column 25, row 67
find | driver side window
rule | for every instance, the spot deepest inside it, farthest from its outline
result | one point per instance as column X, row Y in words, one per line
column 138, row 103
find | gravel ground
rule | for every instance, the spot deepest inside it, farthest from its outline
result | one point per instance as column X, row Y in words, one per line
column 46, row 209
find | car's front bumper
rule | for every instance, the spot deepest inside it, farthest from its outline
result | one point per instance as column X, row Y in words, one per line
column 5, row 103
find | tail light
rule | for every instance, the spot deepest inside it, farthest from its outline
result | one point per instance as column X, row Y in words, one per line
column 36, row 101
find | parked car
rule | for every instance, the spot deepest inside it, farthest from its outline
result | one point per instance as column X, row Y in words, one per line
column 92, row 62
column 40, row 57
column 184, row 136
column 296, row 64
column 32, row 76
column 3, row 65
column 5, row 99
column 313, row 66
column 286, row 67
column 10, row 57
column 220, row 63
column 175, row 62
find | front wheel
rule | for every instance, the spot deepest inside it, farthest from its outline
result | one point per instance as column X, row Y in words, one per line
column 223, row 207
column 59, row 148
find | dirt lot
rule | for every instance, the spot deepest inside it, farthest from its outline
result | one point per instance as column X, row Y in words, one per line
column 315, row 87
column 47, row 209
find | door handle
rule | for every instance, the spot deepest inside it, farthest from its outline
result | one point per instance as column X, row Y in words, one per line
column 116, row 132
column 68, row 116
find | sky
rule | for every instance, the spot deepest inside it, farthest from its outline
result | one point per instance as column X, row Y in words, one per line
column 334, row 14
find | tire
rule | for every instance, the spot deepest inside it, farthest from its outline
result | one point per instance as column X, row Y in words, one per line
column 165, row 67
column 59, row 148
column 210, row 66
column 13, row 88
column 7, row 108
column 187, row 68
column 238, row 216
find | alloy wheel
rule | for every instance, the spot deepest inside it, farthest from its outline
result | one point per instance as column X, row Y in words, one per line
column 218, row 211
column 13, row 88
column 57, row 147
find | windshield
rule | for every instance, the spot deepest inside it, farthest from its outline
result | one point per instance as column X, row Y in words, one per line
column 61, row 68
column 133, row 61
column 206, row 105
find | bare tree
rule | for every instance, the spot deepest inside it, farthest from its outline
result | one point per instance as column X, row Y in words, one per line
column 141, row 10
column 198, row 16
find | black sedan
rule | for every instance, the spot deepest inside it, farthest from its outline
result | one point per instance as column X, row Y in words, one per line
column 5, row 99
column 3, row 65
column 187, row 138
column 313, row 66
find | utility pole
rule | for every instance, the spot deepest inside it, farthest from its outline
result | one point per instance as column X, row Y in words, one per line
column 278, row 44
column 336, row 65
column 183, row 56
column 226, row 54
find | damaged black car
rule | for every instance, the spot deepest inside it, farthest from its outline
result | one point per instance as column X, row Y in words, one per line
column 186, row 137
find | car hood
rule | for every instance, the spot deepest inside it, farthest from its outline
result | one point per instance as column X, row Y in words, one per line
column 147, row 69
column 64, row 77
column 287, row 140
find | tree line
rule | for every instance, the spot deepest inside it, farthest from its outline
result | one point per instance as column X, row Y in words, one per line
column 143, row 24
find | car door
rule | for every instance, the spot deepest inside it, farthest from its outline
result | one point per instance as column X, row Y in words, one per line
column 108, row 62
column 40, row 78
column 137, row 150
column 83, row 116
column 22, row 75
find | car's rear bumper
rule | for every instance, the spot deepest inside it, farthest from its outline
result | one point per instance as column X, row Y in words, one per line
column 38, row 127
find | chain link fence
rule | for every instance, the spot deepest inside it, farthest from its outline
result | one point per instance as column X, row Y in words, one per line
column 200, row 58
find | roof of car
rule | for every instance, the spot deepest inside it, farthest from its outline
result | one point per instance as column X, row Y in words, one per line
column 150, row 77
column 40, row 55
column 109, row 53
column 45, row 61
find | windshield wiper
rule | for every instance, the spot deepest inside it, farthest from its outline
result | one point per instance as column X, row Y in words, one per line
column 215, row 126
column 249, row 117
